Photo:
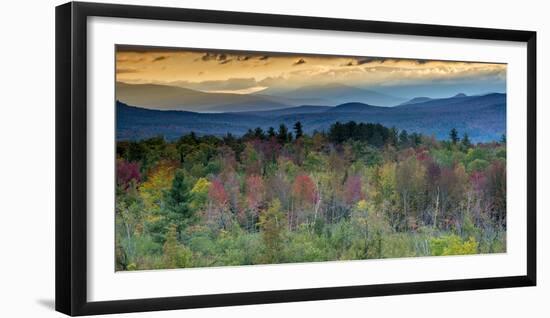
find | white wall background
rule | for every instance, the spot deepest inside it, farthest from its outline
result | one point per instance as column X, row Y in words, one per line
column 27, row 158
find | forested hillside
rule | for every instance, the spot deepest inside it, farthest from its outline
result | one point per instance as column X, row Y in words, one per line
column 483, row 118
column 292, row 194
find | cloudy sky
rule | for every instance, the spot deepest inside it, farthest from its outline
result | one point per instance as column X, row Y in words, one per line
column 275, row 73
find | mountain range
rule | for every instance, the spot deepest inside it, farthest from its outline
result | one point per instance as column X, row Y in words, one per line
column 482, row 117
column 164, row 97
column 335, row 94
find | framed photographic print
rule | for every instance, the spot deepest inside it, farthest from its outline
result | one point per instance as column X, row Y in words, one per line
column 208, row 158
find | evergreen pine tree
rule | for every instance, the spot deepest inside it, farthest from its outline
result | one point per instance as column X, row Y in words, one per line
column 453, row 135
column 393, row 137
column 282, row 135
column 404, row 138
column 271, row 132
column 178, row 201
column 466, row 141
column 259, row 133
column 298, row 132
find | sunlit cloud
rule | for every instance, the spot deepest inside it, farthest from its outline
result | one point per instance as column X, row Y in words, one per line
column 243, row 91
column 250, row 72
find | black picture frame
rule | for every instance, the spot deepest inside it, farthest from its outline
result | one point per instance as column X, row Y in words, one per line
column 71, row 157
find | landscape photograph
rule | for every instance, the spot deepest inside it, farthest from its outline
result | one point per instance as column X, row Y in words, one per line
column 233, row 158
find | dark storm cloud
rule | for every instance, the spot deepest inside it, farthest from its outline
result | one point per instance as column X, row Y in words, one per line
column 214, row 57
column 130, row 60
column 159, row 58
column 145, row 49
column 366, row 60
column 126, row 70
column 208, row 57
column 299, row 62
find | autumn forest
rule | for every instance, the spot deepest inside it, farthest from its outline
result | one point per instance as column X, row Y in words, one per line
column 356, row 191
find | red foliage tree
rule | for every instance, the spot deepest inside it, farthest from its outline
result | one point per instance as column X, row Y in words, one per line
column 254, row 191
column 478, row 181
column 423, row 155
column 433, row 172
column 305, row 197
column 304, row 190
column 254, row 200
column 496, row 186
column 217, row 193
column 126, row 172
column 271, row 149
column 354, row 190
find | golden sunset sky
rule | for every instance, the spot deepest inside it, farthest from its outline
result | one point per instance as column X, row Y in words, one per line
column 249, row 72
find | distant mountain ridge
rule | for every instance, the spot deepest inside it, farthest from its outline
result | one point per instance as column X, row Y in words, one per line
column 304, row 109
column 164, row 97
column 416, row 100
column 356, row 108
column 423, row 99
column 482, row 117
column 336, row 94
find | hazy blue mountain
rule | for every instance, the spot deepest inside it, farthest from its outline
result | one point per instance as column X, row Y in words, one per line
column 482, row 117
column 357, row 108
column 446, row 89
column 247, row 106
column 293, row 101
column 416, row 100
column 336, row 94
column 164, row 97
column 304, row 109
column 136, row 123
column 469, row 103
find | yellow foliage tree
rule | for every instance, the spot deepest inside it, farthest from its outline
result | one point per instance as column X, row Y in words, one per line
column 453, row 245
column 273, row 222
column 200, row 193
column 362, row 205
column 159, row 179
column 175, row 254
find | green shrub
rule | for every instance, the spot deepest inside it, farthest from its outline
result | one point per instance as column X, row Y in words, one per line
column 452, row 245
